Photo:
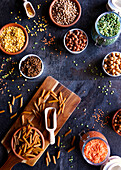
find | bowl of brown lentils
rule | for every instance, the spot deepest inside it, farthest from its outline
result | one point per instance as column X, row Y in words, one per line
column 13, row 39
column 31, row 66
column 112, row 64
column 75, row 41
column 65, row 13
column 116, row 122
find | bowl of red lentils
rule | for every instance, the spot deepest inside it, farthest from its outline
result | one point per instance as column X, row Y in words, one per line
column 112, row 64
column 13, row 39
column 75, row 41
column 116, row 122
column 65, row 13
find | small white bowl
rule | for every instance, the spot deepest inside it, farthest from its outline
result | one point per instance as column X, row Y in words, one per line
column 104, row 68
column 75, row 52
column 24, row 58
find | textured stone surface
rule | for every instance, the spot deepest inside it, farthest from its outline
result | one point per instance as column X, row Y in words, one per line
column 74, row 77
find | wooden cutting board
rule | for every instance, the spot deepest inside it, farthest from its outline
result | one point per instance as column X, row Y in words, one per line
column 72, row 100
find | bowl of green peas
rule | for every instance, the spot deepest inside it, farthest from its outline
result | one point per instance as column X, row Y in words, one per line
column 107, row 29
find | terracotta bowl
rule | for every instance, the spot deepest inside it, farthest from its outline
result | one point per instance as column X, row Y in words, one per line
column 26, row 36
column 113, row 121
column 43, row 143
column 79, row 11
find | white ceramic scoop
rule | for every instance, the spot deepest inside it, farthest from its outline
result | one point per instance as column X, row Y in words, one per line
column 51, row 130
column 29, row 9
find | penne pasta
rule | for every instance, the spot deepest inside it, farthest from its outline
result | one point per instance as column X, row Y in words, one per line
column 53, row 101
column 13, row 116
column 61, row 97
column 43, row 93
column 35, row 104
column 39, row 101
column 48, row 156
column 63, row 107
column 58, row 142
column 30, row 123
column 43, row 106
column 63, row 102
column 2, row 111
column 67, row 133
column 10, row 108
column 73, row 140
column 22, row 119
column 27, row 112
column 47, row 163
column 21, row 102
column 54, row 160
column 52, row 92
column 47, row 95
column 13, row 100
column 58, row 155
column 18, row 96
column 54, row 96
column 71, row 149
column 59, row 111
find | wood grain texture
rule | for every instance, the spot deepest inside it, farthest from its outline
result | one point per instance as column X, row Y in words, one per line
column 72, row 100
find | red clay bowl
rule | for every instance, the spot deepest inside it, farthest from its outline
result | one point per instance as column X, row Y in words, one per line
column 114, row 122
column 65, row 26
column 43, row 143
column 26, row 36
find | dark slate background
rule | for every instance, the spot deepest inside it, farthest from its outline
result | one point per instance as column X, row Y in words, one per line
column 64, row 70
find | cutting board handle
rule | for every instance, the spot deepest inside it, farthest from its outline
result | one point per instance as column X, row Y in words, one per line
column 11, row 161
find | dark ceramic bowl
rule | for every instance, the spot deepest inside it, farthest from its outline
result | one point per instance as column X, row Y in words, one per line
column 113, row 121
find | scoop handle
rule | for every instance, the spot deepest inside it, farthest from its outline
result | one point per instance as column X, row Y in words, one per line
column 11, row 161
column 52, row 137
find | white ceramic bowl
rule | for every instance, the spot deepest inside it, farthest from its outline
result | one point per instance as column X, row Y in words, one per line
column 75, row 52
column 104, row 68
column 24, row 58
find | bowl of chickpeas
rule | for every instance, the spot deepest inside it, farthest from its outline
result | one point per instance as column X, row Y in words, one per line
column 112, row 64
column 13, row 39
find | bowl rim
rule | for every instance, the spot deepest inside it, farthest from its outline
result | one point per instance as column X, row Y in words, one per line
column 113, row 121
column 24, row 58
column 41, row 135
column 26, row 37
column 75, row 52
column 76, row 20
column 91, row 163
column 103, row 64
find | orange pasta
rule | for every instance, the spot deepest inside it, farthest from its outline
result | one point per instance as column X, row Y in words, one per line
column 54, row 160
column 13, row 100
column 47, row 162
column 13, row 116
column 2, row 111
column 58, row 142
column 10, row 108
column 67, row 133
column 58, row 155
column 48, row 156
column 18, row 96
column 73, row 140
column 71, row 149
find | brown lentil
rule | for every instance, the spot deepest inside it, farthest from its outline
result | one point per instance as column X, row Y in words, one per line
column 64, row 12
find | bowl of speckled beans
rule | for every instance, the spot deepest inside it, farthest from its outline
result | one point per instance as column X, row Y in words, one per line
column 65, row 13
